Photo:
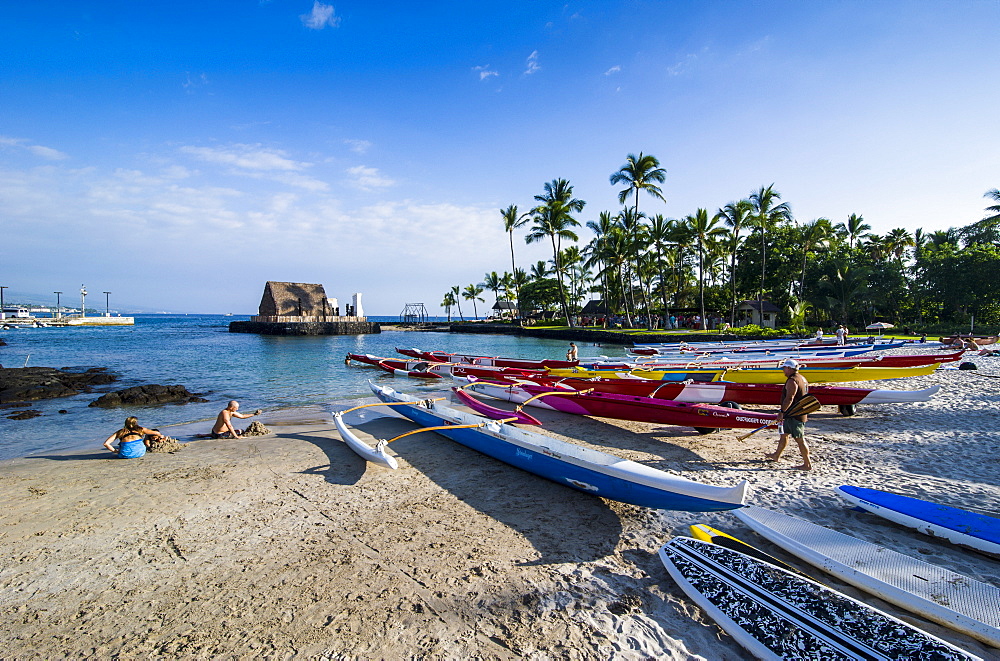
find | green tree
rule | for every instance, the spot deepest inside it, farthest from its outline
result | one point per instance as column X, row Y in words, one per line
column 448, row 303
column 494, row 282
column 706, row 232
column 767, row 213
column 854, row 229
column 735, row 216
column 457, row 294
column 472, row 293
column 815, row 234
column 640, row 173
column 553, row 219
column 511, row 221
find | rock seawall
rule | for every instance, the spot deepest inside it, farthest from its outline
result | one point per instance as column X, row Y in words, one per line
column 305, row 328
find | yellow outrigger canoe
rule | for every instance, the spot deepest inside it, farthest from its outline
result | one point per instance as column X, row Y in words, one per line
column 754, row 375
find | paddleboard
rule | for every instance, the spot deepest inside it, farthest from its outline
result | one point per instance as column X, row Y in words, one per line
column 709, row 534
column 776, row 614
column 940, row 595
column 958, row 526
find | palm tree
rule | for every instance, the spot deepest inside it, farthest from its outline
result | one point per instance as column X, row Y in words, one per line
column 494, row 282
column 815, row 234
column 635, row 235
column 993, row 194
column 553, row 219
column 640, row 173
column 659, row 238
column 767, row 213
column 896, row 243
column 456, row 294
column 511, row 221
column 706, row 231
column 600, row 228
column 448, row 303
column 540, row 270
column 472, row 293
column 853, row 229
column 734, row 216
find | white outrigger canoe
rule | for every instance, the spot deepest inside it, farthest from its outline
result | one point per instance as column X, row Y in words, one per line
column 565, row 463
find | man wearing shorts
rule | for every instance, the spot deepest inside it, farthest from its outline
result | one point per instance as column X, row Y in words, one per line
column 224, row 423
column 796, row 387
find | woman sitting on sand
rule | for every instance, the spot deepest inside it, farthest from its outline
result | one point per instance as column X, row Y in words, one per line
column 133, row 439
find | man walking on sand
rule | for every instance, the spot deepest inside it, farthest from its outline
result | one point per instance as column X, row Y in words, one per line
column 224, row 423
column 796, row 387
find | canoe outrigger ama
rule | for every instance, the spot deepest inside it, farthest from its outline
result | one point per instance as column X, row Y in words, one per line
column 565, row 463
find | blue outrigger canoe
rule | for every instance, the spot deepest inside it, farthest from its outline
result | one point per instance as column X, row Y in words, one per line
column 570, row 465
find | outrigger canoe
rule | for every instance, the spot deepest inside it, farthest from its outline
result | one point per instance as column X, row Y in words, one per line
column 420, row 368
column 703, row 417
column 583, row 469
column 489, row 361
column 828, row 362
column 756, row 375
column 740, row 393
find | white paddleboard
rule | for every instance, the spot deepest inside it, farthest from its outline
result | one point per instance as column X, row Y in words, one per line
column 958, row 526
column 940, row 595
column 776, row 614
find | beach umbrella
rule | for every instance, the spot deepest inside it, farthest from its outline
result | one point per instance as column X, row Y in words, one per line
column 879, row 326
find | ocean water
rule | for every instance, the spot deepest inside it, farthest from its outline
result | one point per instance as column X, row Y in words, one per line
column 197, row 351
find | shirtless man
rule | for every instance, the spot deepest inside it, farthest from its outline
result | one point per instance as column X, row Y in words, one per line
column 224, row 423
column 796, row 387
column 572, row 354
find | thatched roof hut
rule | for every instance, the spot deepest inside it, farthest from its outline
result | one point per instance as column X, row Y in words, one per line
column 294, row 299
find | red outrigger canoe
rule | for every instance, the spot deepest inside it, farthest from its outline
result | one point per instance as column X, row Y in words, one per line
column 703, row 417
column 739, row 393
column 421, row 368
column 487, row 361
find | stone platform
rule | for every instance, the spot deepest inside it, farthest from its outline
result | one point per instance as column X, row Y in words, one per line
column 305, row 326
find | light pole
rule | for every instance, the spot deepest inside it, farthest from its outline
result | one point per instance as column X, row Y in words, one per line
column 83, row 301
column 107, row 303
column 58, row 307
column 2, row 316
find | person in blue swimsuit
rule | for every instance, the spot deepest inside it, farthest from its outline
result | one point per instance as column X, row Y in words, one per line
column 133, row 439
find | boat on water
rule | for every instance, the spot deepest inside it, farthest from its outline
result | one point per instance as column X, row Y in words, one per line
column 740, row 393
column 565, row 463
column 428, row 369
column 755, row 375
column 703, row 417
column 486, row 361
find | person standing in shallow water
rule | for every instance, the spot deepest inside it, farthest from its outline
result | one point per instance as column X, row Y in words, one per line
column 571, row 353
column 796, row 387
column 133, row 439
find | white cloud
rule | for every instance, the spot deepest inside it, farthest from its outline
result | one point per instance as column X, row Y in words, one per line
column 532, row 64
column 680, row 67
column 367, row 178
column 358, row 146
column 614, row 69
column 485, row 72
column 247, row 157
column 320, row 17
column 192, row 83
column 48, row 153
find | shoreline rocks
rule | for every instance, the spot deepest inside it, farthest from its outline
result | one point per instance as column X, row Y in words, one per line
column 148, row 395
column 21, row 384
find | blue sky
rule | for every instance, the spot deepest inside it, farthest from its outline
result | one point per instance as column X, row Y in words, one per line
column 180, row 154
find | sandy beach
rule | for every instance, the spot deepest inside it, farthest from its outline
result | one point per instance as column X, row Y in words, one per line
column 289, row 545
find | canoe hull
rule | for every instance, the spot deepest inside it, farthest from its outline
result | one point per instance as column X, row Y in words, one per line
column 573, row 466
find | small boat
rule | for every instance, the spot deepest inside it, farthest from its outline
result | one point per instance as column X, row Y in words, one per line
column 757, row 375
column 827, row 362
column 419, row 371
column 583, row 469
column 740, row 393
column 404, row 367
column 488, row 361
column 703, row 417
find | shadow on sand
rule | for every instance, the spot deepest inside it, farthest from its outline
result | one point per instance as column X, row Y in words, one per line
column 561, row 524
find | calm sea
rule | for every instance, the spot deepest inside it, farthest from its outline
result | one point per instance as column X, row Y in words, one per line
column 198, row 352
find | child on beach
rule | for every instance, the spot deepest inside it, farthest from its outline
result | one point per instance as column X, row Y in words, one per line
column 133, row 439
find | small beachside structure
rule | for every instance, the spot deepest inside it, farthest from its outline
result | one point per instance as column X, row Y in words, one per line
column 299, row 308
column 761, row 313
column 505, row 309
